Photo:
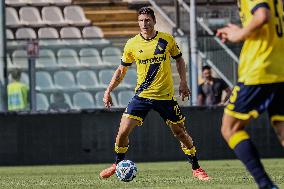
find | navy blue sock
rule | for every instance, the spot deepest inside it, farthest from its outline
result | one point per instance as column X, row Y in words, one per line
column 194, row 161
column 119, row 157
column 248, row 154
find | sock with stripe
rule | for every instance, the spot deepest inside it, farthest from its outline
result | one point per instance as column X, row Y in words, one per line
column 191, row 156
column 247, row 153
column 120, row 153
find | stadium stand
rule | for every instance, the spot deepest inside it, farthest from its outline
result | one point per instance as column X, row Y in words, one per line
column 87, row 79
column 65, row 80
column 124, row 97
column 66, row 97
column 25, row 33
column 41, row 102
column 12, row 19
column 83, row 100
column 46, row 59
column 31, row 16
column 90, row 57
column 19, row 59
column 75, row 16
column 98, row 99
column 53, row 16
column 68, row 58
column 111, row 55
column 44, row 82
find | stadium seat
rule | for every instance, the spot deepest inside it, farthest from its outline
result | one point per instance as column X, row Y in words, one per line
column 48, row 33
column 75, row 16
column 94, row 35
column 87, row 79
column 66, row 97
column 9, row 62
column 65, row 80
column 12, row 19
column 130, row 79
column 105, row 77
column 72, row 36
column 53, row 16
column 111, row 55
column 44, row 81
column 11, row 43
column 38, row 2
column 83, row 100
column 25, row 33
column 46, row 59
column 99, row 99
column 20, row 59
column 16, row 3
column 49, row 37
column 31, row 16
column 25, row 78
column 68, row 58
column 92, row 32
column 124, row 97
column 41, row 102
column 9, row 34
column 61, row 2
column 90, row 57
column 70, row 32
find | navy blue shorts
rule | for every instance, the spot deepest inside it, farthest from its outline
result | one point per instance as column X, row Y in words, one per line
column 169, row 110
column 249, row 101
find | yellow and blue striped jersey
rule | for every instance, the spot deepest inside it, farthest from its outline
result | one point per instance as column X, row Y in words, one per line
column 261, row 59
column 152, row 57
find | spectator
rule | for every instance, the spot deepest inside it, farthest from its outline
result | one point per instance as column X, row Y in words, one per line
column 58, row 103
column 210, row 91
column 17, row 93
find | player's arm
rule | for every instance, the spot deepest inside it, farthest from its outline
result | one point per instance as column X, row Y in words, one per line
column 228, row 94
column 234, row 33
column 115, row 81
column 183, row 88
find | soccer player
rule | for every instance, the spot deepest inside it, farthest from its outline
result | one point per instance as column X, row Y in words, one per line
column 151, row 50
column 261, row 80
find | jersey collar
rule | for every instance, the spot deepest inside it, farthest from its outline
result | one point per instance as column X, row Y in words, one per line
column 150, row 38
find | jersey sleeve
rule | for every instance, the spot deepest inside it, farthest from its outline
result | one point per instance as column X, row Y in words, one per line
column 127, row 56
column 253, row 5
column 174, row 49
column 224, row 84
column 200, row 91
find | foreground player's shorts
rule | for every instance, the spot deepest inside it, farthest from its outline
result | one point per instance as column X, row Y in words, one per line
column 169, row 110
column 251, row 100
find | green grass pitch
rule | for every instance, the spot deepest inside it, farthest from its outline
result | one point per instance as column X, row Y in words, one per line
column 225, row 173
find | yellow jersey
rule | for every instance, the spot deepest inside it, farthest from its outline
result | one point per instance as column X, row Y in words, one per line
column 261, row 59
column 17, row 96
column 152, row 57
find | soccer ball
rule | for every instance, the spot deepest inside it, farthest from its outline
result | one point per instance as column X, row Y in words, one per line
column 126, row 170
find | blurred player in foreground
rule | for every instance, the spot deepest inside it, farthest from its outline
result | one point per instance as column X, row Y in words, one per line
column 151, row 50
column 260, row 85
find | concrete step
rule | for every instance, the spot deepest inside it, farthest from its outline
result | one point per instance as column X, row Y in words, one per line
column 111, row 15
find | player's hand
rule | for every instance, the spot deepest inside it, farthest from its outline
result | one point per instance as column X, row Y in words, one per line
column 107, row 100
column 231, row 32
column 184, row 91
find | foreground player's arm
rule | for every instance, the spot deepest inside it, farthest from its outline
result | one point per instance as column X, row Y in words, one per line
column 234, row 33
column 183, row 88
column 115, row 81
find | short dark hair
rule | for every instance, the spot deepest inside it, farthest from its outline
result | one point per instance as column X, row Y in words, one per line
column 16, row 74
column 147, row 10
column 206, row 68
